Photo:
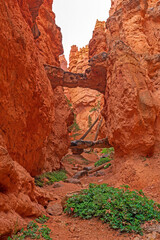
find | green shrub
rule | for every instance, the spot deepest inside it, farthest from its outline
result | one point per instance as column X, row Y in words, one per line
column 33, row 232
column 42, row 219
column 102, row 161
column 52, row 177
column 108, row 150
column 74, row 128
column 89, row 121
column 107, row 166
column 122, row 209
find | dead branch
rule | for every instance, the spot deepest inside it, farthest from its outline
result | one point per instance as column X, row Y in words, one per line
column 83, row 137
column 102, row 143
column 97, row 168
column 98, row 128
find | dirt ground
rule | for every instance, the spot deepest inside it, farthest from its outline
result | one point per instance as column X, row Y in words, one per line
column 139, row 173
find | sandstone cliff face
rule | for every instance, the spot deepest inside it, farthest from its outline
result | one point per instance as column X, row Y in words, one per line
column 26, row 96
column 63, row 62
column 136, row 24
column 30, row 111
column 98, row 42
column 49, row 42
column 27, row 99
column 132, row 103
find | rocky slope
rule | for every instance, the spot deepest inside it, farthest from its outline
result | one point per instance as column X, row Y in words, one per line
column 33, row 117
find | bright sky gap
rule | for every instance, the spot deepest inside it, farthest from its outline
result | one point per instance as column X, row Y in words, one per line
column 77, row 19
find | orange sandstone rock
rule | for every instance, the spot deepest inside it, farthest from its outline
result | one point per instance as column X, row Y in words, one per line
column 83, row 100
column 78, row 59
column 131, row 108
column 49, row 42
column 31, row 112
column 18, row 194
column 63, row 62
column 98, row 42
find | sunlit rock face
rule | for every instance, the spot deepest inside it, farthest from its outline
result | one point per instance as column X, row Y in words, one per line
column 63, row 62
column 136, row 23
column 132, row 92
column 78, row 59
column 34, row 119
column 98, row 42
column 49, row 42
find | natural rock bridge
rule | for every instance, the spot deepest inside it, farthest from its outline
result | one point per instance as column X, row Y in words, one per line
column 93, row 78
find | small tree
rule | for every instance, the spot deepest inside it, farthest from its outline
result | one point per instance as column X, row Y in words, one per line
column 96, row 108
column 89, row 121
column 74, row 128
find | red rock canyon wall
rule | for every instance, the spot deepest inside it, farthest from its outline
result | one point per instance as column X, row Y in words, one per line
column 132, row 105
column 34, row 118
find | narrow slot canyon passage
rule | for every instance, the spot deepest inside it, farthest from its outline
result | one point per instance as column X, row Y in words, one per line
column 79, row 125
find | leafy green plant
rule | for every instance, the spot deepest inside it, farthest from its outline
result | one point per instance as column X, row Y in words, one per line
column 107, row 150
column 33, row 231
column 89, row 121
column 102, row 161
column 74, row 128
column 52, row 177
column 109, row 156
column 69, row 103
column 42, row 219
column 107, row 166
column 96, row 108
column 39, row 181
column 122, row 209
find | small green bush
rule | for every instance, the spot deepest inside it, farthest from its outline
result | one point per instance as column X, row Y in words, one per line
column 109, row 156
column 33, row 231
column 42, row 219
column 74, row 128
column 107, row 166
column 102, row 161
column 122, row 209
column 52, row 177
column 108, row 150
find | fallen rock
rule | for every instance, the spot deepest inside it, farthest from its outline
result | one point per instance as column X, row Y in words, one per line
column 73, row 180
column 54, row 209
column 80, row 174
column 57, row 185
column 87, row 168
